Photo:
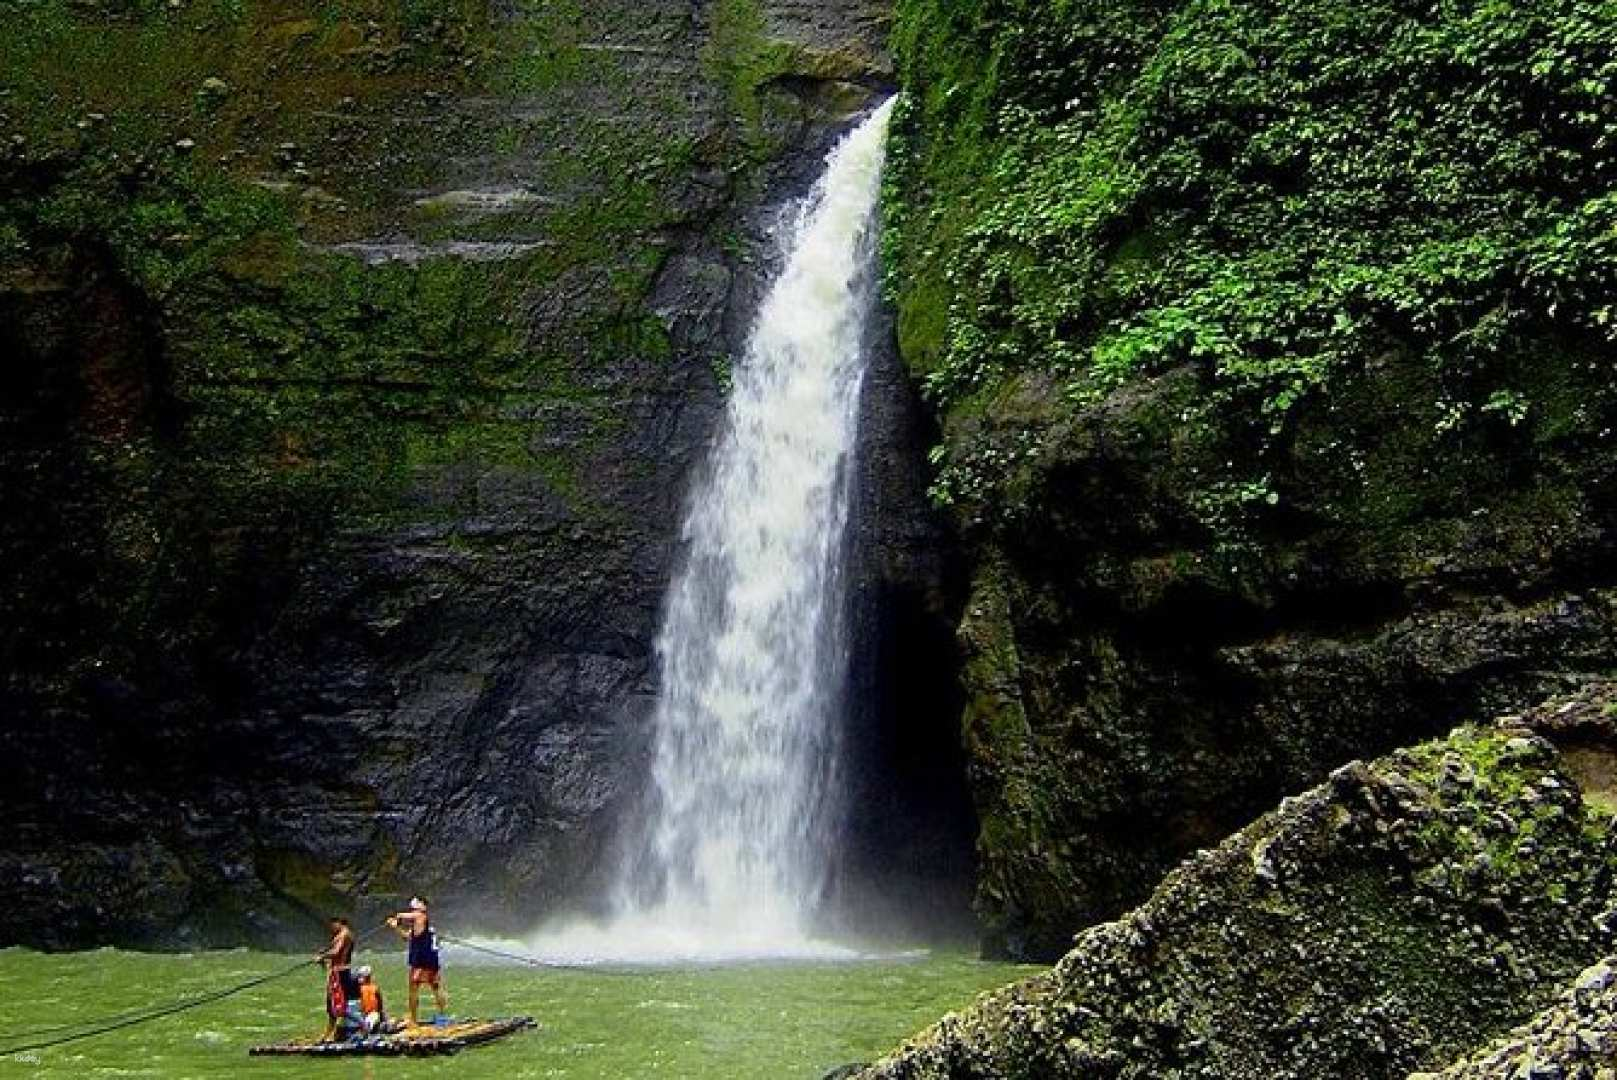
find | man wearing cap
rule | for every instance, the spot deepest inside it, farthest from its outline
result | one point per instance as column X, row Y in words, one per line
column 415, row 927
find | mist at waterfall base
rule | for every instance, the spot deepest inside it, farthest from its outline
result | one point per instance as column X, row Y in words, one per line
column 732, row 853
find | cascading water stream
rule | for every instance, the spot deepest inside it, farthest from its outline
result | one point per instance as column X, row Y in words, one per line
column 734, row 853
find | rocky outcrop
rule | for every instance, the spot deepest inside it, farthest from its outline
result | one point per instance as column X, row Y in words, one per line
column 1261, row 468
column 1391, row 919
column 362, row 366
column 1575, row 1039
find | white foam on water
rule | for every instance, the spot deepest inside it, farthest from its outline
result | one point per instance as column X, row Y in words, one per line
column 659, row 940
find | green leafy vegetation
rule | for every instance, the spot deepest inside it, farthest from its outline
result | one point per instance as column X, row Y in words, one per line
column 1275, row 197
column 1258, row 333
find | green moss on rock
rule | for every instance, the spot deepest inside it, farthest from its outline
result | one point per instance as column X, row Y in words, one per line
column 1260, row 390
column 1406, row 910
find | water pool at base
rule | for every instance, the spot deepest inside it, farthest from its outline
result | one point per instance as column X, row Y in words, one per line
column 762, row 1020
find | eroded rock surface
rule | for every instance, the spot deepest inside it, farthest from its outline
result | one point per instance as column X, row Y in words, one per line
column 1574, row 1039
column 1391, row 919
column 360, row 359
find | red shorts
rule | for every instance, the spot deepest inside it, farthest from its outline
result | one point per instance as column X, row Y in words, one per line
column 336, row 995
column 424, row 977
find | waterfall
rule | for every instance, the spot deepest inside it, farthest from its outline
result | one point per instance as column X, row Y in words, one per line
column 734, row 852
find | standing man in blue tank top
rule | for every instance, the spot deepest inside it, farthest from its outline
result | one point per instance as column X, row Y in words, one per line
column 415, row 927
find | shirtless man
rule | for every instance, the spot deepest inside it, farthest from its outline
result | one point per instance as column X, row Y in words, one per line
column 341, row 986
column 415, row 927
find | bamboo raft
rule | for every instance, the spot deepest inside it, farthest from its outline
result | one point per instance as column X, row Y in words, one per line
column 421, row 1041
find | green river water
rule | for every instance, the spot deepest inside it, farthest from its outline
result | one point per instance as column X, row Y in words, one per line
column 776, row 1021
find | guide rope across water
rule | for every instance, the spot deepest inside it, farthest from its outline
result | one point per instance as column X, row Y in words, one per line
column 87, row 1029
column 534, row 961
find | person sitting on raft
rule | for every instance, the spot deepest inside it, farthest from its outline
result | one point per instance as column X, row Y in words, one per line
column 341, row 986
column 415, row 927
column 372, row 1009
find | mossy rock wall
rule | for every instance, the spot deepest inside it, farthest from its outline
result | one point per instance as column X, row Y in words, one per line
column 1271, row 348
column 356, row 357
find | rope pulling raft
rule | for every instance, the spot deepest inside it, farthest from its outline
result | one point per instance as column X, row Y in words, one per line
column 418, row 1041
column 412, row 1041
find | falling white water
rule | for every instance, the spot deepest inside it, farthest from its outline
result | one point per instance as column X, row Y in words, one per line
column 734, row 853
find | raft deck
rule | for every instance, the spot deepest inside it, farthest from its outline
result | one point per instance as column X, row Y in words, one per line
column 413, row 1041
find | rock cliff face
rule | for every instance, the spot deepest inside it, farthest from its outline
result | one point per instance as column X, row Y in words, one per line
column 1389, row 920
column 360, row 353
column 1269, row 349
column 365, row 349
column 1574, row 1039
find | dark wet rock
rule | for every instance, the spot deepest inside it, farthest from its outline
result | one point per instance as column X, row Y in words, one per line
column 334, row 554
column 908, row 863
column 1375, row 925
column 1574, row 1039
column 1123, row 709
column 1188, row 600
column 411, row 253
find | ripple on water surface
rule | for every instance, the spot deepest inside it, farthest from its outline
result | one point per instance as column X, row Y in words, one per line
column 759, row 1019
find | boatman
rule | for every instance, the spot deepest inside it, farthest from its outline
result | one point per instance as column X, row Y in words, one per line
column 341, row 986
column 415, row 927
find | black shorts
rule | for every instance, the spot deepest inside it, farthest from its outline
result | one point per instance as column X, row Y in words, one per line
column 350, row 985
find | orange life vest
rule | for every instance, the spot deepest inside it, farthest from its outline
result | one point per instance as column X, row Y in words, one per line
column 370, row 998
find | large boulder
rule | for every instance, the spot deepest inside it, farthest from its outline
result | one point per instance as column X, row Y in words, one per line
column 1393, row 918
